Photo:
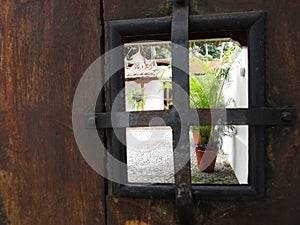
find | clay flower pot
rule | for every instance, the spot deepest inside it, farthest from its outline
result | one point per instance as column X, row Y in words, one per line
column 206, row 160
column 196, row 137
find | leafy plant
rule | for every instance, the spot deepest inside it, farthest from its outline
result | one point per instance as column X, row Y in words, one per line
column 206, row 91
column 137, row 99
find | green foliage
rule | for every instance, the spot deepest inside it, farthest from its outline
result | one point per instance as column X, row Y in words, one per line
column 206, row 91
column 166, row 85
column 209, row 50
column 227, row 165
column 137, row 99
column 155, row 51
column 163, row 52
column 213, row 51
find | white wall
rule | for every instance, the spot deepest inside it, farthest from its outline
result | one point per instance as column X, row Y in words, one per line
column 155, row 95
column 237, row 147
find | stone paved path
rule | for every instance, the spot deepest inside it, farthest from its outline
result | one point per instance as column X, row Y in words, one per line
column 150, row 159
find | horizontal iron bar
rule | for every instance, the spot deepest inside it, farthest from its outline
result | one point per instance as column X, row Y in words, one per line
column 211, row 22
column 194, row 117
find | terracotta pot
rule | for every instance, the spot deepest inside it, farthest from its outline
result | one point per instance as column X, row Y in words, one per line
column 196, row 137
column 206, row 160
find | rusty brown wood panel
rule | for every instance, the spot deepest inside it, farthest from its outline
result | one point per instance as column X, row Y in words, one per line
column 45, row 46
column 130, row 9
column 281, row 205
column 128, row 211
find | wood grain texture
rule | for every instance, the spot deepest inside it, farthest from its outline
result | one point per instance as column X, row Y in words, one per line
column 283, row 88
column 130, row 9
column 45, row 48
column 135, row 211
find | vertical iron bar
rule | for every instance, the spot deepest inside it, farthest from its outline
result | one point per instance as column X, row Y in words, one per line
column 117, row 93
column 257, row 96
column 180, row 78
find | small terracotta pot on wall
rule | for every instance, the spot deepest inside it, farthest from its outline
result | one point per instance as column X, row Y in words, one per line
column 206, row 160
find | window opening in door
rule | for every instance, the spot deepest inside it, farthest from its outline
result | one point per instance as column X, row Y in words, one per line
column 219, row 79
column 147, row 78
column 226, row 165
column 218, row 69
column 248, row 28
column 148, row 87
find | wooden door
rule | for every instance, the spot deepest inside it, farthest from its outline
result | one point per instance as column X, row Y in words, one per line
column 45, row 48
column 279, row 205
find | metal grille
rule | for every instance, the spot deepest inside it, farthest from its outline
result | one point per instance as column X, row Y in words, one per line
column 180, row 27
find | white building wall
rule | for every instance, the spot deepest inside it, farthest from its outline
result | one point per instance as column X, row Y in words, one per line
column 237, row 147
column 155, row 95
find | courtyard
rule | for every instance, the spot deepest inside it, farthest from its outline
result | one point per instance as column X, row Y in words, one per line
column 150, row 159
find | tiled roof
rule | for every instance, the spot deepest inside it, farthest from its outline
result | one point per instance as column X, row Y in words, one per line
column 137, row 72
column 145, row 72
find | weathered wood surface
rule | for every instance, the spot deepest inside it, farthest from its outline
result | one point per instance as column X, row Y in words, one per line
column 139, row 212
column 281, row 205
column 45, row 46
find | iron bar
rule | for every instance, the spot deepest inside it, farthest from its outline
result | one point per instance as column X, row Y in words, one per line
column 180, row 77
column 252, row 116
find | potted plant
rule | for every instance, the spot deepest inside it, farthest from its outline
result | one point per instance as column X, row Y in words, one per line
column 206, row 153
column 211, row 140
column 137, row 99
column 206, row 91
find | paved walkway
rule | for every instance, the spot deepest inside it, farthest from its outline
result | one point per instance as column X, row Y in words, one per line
column 150, row 159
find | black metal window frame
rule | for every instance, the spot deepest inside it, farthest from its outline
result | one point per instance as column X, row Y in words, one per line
column 246, row 27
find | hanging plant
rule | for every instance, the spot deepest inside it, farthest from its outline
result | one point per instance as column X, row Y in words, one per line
column 137, row 99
